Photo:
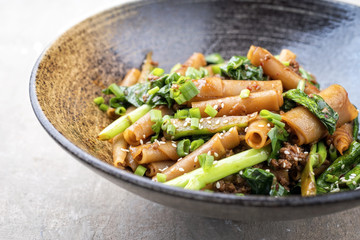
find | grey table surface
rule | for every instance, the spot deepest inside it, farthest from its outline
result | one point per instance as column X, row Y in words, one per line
column 46, row 194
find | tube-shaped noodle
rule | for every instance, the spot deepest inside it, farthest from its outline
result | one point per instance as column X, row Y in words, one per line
column 215, row 87
column 286, row 55
column 119, row 147
column 256, row 134
column 146, row 68
column 157, row 167
column 276, row 70
column 307, row 127
column 196, row 60
column 158, row 151
column 216, row 147
column 141, row 129
column 131, row 77
column 342, row 137
column 130, row 162
column 234, row 106
column 337, row 97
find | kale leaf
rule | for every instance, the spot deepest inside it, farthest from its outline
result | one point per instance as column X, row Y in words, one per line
column 240, row 68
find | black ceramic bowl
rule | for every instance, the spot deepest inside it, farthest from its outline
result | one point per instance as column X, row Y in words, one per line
column 99, row 50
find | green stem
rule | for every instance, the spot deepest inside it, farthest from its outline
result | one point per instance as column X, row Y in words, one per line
column 198, row 178
column 120, row 124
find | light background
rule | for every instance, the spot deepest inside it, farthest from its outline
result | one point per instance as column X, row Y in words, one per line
column 46, row 194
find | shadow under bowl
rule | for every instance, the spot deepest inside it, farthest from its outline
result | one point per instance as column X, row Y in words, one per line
column 98, row 51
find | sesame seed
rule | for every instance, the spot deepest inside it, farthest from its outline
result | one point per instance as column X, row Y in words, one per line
column 283, row 165
column 286, row 152
column 226, row 121
column 217, row 185
column 267, row 170
column 268, row 125
column 173, row 144
column 260, row 125
column 216, row 107
column 296, row 159
column 223, row 131
column 343, row 166
column 217, row 122
column 246, row 129
column 144, row 136
column 241, row 172
column 208, row 118
column 353, row 175
column 201, row 126
column 222, row 105
column 148, row 142
column 141, row 142
column 124, row 150
column 185, row 124
column 306, row 152
column 354, row 182
column 209, row 153
column 195, row 159
column 224, row 116
column 161, row 170
column 179, row 159
column 181, row 169
column 201, row 120
column 216, row 154
column 209, row 122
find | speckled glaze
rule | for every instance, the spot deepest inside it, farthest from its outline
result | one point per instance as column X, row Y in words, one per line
column 99, row 50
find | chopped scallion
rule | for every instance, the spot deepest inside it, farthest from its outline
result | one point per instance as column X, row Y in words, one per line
column 140, row 171
column 157, row 72
column 194, row 123
column 183, row 147
column 189, row 90
column 171, row 129
column 209, row 110
column 160, row 177
column 206, row 161
column 153, row 90
column 103, row 107
column 245, row 93
column 301, row 85
column 272, row 117
column 195, row 113
column 99, row 100
column 214, row 58
column 120, row 111
column 116, row 90
column 155, row 115
column 181, row 114
column 196, row 144
column 180, row 99
column 115, row 102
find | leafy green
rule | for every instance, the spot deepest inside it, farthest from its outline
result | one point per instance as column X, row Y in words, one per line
column 194, row 73
column 263, row 182
column 277, row 136
column 356, row 128
column 240, row 68
column 317, row 106
column 304, row 74
column 134, row 94
column 214, row 58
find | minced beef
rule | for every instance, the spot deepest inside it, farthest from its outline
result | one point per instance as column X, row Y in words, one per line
column 232, row 184
column 291, row 162
column 294, row 65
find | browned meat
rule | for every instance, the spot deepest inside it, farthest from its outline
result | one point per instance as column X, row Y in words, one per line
column 294, row 65
column 231, row 184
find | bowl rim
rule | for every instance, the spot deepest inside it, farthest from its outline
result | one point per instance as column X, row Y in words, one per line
column 215, row 198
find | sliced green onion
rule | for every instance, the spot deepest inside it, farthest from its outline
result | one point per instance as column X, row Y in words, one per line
column 245, row 93
column 272, row 117
column 103, row 107
column 206, row 161
column 115, row 102
column 301, row 85
column 99, row 100
column 194, row 123
column 140, row 171
column 165, row 122
column 174, row 93
column 183, row 147
column 181, row 114
column 120, row 111
column 160, row 177
column 171, row 129
column 214, row 58
column 180, row 99
column 195, row 113
column 157, row 72
column 196, row 144
column 209, row 110
column 153, row 90
column 189, row 90
column 175, row 67
column 216, row 68
column 331, row 178
column 155, row 115
column 116, row 90
column 286, row 63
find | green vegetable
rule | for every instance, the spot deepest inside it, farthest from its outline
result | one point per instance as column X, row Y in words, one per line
column 263, row 182
column 156, row 117
column 103, row 107
column 99, row 100
column 272, row 117
column 160, row 177
column 175, row 67
column 240, row 68
column 153, row 90
column 198, row 178
column 157, row 72
column 308, row 184
column 115, row 102
column 120, row 111
column 196, row 144
column 189, row 90
column 301, row 85
column 245, row 93
column 170, row 130
column 181, row 114
column 140, row 171
column 116, row 90
column 356, row 128
column 183, row 147
column 317, row 106
column 120, row 124
column 331, row 178
column 277, row 136
column 339, row 167
column 304, row 74
column 214, row 58
column 194, row 123
column 208, row 126
column 332, row 153
column 352, row 178
column 206, row 161
column 193, row 73
column 209, row 110
column 194, row 112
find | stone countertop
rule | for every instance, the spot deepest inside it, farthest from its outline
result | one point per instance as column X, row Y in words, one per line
column 46, row 194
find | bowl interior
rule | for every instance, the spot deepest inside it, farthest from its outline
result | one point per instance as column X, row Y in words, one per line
column 99, row 50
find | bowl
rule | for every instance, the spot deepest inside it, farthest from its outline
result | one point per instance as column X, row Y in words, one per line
column 98, row 51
